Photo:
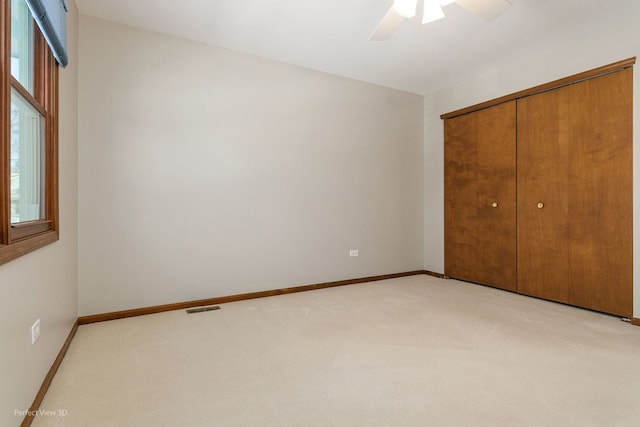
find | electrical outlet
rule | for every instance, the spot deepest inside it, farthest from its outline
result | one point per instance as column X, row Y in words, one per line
column 35, row 331
column 353, row 252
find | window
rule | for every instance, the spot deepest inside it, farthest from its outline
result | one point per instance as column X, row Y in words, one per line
column 28, row 144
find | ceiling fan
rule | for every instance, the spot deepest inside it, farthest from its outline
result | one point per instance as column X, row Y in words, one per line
column 432, row 11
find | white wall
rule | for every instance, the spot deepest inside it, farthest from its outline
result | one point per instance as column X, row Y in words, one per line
column 205, row 173
column 43, row 284
column 601, row 47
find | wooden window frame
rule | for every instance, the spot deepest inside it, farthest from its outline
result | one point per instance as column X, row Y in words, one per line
column 21, row 238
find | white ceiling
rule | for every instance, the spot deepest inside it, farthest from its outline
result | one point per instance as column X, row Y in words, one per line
column 332, row 35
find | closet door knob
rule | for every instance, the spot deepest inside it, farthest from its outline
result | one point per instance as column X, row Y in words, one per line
column 540, row 205
column 494, row 205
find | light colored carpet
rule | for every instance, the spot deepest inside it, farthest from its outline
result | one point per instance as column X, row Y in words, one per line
column 414, row 351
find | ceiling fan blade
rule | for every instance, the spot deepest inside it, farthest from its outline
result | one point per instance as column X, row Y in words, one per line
column 488, row 9
column 387, row 25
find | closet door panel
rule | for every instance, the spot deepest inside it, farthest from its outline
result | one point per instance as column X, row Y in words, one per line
column 600, row 194
column 543, row 184
column 460, row 190
column 496, row 200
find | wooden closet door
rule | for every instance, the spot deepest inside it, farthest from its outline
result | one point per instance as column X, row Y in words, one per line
column 600, row 194
column 496, row 200
column 575, row 194
column 460, row 192
column 480, row 239
column 543, row 185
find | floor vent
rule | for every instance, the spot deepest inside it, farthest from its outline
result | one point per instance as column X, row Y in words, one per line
column 203, row 309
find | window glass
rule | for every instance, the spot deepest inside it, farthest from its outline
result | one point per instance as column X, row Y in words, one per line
column 22, row 44
column 27, row 160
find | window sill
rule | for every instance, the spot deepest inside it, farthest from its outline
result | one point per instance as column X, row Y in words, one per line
column 26, row 245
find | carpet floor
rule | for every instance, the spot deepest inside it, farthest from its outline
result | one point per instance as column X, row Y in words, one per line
column 413, row 351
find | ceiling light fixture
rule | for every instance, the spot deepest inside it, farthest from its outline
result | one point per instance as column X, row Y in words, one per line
column 432, row 11
column 405, row 8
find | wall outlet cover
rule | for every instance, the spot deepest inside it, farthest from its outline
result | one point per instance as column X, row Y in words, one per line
column 35, row 331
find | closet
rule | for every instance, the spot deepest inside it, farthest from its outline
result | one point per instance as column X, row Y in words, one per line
column 480, row 196
column 538, row 191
